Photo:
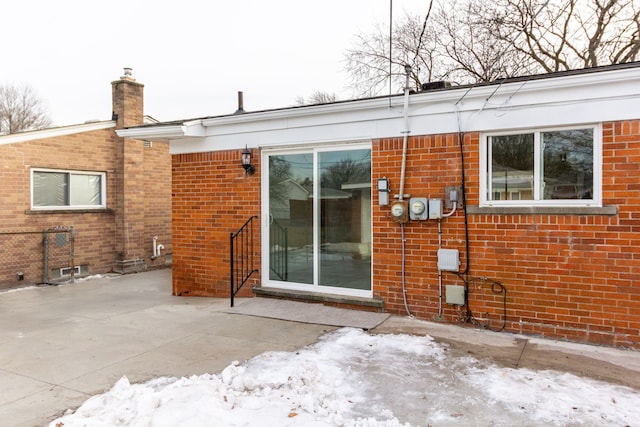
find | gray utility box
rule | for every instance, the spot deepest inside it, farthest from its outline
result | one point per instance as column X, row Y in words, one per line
column 448, row 260
column 455, row 295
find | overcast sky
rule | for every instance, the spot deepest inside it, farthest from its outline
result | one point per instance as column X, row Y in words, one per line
column 193, row 56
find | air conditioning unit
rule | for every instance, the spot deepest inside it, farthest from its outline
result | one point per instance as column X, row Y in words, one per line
column 440, row 84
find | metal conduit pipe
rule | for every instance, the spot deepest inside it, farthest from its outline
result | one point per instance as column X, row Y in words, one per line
column 440, row 310
column 405, row 132
column 405, row 143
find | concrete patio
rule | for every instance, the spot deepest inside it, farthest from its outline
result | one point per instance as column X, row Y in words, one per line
column 63, row 344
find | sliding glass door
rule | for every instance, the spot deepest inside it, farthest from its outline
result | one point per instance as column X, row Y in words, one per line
column 318, row 227
column 291, row 218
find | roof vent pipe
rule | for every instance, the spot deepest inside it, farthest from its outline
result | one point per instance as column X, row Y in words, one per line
column 128, row 74
column 240, row 109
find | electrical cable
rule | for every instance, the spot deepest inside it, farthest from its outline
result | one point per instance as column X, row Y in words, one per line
column 463, row 189
column 496, row 288
column 465, row 273
column 404, row 289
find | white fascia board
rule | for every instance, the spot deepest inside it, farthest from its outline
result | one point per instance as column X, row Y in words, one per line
column 569, row 100
column 317, row 117
column 55, row 132
column 307, row 111
column 539, row 102
column 357, row 121
column 185, row 130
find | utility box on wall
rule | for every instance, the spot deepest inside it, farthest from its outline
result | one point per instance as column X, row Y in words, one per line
column 448, row 259
column 435, row 208
column 455, row 295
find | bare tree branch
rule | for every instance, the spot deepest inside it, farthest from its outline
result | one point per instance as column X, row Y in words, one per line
column 21, row 109
column 318, row 97
column 474, row 40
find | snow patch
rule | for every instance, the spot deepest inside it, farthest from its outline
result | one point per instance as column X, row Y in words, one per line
column 354, row 379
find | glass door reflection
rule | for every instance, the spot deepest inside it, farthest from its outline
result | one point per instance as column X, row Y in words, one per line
column 291, row 218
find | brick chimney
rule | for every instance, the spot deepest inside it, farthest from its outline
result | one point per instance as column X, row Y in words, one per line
column 127, row 101
column 130, row 213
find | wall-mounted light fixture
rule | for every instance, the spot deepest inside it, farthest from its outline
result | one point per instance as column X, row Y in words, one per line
column 249, row 169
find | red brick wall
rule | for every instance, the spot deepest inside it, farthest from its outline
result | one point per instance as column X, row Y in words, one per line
column 568, row 276
column 433, row 163
column 95, row 241
column 212, row 197
column 98, row 242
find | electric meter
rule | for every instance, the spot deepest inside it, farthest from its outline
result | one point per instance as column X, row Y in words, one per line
column 399, row 211
column 419, row 208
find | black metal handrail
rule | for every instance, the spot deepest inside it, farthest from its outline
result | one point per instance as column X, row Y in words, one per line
column 279, row 251
column 241, row 256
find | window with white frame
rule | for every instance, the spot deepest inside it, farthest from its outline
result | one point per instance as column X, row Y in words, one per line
column 59, row 189
column 542, row 167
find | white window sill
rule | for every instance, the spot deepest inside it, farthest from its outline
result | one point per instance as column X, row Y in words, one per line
column 542, row 210
column 67, row 211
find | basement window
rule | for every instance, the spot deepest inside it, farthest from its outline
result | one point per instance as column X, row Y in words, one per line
column 59, row 189
column 549, row 167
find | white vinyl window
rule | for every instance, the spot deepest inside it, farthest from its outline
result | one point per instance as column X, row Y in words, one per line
column 59, row 189
column 550, row 167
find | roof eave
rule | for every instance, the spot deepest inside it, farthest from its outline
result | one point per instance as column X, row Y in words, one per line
column 33, row 135
column 191, row 129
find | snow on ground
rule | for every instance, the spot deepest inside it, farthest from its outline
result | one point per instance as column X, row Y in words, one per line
column 12, row 290
column 351, row 378
column 26, row 288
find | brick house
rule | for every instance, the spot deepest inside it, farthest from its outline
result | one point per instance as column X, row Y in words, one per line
column 354, row 203
column 113, row 191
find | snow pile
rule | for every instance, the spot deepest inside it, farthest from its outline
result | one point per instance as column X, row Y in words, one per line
column 67, row 282
column 351, row 378
column 12, row 290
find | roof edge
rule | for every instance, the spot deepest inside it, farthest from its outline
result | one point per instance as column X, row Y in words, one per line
column 56, row 131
